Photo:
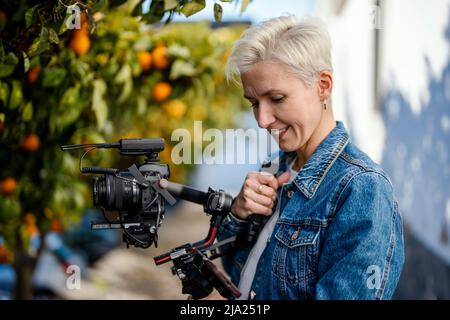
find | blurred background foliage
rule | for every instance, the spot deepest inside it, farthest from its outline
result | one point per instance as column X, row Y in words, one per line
column 121, row 74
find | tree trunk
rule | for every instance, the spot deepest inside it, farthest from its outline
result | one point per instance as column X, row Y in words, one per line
column 24, row 266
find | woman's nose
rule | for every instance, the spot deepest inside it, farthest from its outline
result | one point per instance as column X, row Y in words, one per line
column 264, row 116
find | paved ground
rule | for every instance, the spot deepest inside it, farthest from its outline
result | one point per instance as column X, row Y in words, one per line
column 132, row 274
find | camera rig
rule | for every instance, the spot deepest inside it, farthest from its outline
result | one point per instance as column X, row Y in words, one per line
column 137, row 196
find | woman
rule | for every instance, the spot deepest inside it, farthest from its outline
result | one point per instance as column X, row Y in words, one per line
column 334, row 230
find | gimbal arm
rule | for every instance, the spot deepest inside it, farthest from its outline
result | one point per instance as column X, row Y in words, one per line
column 197, row 273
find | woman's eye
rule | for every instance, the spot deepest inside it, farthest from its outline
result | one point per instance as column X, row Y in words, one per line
column 277, row 99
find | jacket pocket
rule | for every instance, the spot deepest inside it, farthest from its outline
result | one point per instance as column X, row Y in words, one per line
column 295, row 253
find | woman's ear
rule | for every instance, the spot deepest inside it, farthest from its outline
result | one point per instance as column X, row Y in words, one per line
column 325, row 85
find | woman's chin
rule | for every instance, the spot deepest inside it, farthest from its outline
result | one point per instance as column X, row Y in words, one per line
column 286, row 147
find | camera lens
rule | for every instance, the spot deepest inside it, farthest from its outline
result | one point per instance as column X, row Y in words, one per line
column 99, row 191
column 113, row 193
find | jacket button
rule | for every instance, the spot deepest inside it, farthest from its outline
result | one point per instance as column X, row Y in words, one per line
column 252, row 295
column 295, row 234
column 290, row 193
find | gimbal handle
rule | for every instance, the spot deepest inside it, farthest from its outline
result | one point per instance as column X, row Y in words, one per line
column 197, row 273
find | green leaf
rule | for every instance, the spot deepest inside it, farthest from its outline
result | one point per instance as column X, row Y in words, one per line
column 218, row 12
column 64, row 25
column 33, row 49
column 26, row 62
column 9, row 64
column 70, row 108
column 16, row 95
column 170, row 4
column 176, row 50
column 53, row 36
column 4, row 92
column 52, row 77
column 101, row 5
column 6, row 70
column 182, row 68
column 11, row 58
column 29, row 16
column 137, row 10
column 37, row 47
column 98, row 103
column 2, row 117
column 244, row 5
column 40, row 44
column 141, row 105
column 226, row 0
column 193, row 7
column 124, row 74
column 126, row 91
column 27, row 113
column 44, row 34
column 155, row 13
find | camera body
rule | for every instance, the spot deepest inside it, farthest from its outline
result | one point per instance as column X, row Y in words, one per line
column 131, row 199
column 140, row 209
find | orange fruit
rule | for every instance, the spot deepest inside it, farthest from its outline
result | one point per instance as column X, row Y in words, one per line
column 161, row 91
column 145, row 60
column 80, row 42
column 175, row 108
column 31, row 142
column 33, row 75
column 32, row 229
column 8, row 185
column 4, row 254
column 160, row 58
column 29, row 219
column 56, row 225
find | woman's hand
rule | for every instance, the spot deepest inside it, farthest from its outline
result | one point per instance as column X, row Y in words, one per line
column 258, row 194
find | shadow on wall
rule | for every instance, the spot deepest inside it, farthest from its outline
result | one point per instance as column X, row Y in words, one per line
column 417, row 157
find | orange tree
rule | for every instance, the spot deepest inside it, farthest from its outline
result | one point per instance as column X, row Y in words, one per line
column 115, row 75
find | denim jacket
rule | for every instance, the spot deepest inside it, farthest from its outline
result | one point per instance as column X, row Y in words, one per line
column 339, row 234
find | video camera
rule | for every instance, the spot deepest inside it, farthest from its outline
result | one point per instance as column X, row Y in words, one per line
column 132, row 196
column 135, row 197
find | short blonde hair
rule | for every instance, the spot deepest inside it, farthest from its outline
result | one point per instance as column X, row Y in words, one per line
column 302, row 45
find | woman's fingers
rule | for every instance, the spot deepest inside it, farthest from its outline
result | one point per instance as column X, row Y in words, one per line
column 261, row 189
column 252, row 207
column 258, row 194
column 258, row 198
column 268, row 179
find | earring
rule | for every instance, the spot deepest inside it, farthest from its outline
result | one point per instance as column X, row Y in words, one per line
column 324, row 106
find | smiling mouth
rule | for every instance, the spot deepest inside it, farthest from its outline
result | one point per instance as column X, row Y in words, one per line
column 279, row 133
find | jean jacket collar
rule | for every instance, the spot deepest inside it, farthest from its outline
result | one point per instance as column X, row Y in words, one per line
column 311, row 175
